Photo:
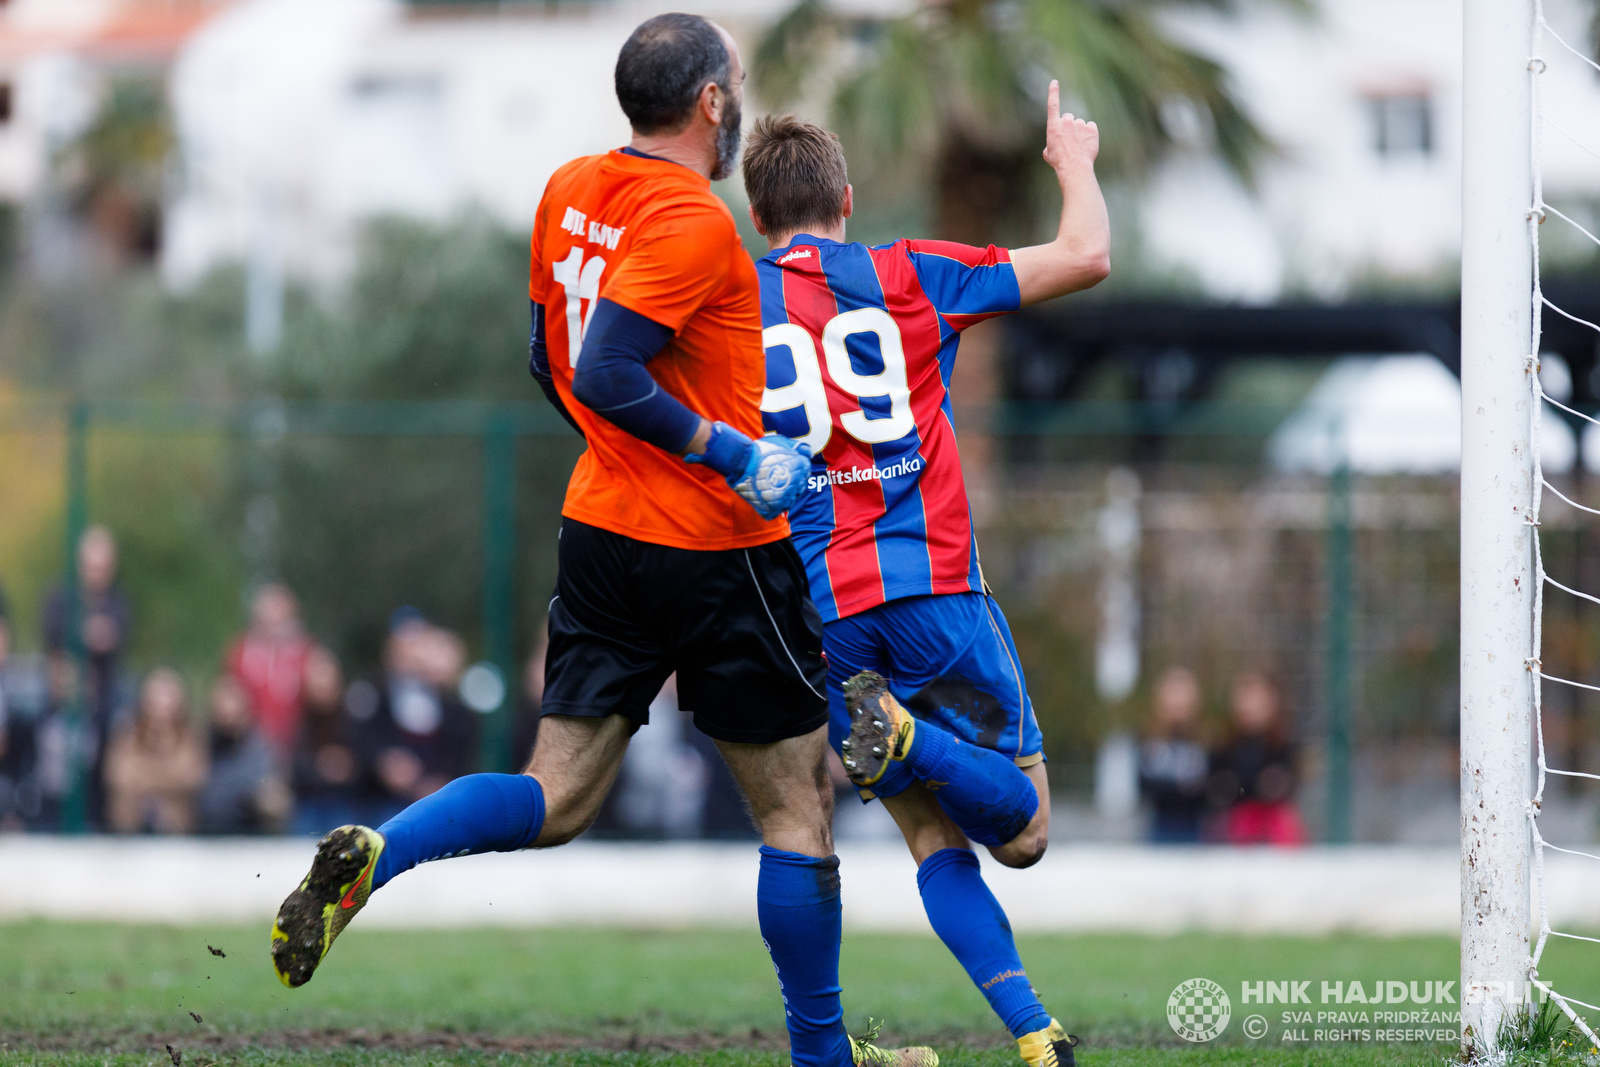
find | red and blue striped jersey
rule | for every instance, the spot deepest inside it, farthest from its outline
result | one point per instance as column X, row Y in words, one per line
column 860, row 345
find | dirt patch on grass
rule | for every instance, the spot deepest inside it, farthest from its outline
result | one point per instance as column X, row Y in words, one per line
column 130, row 1040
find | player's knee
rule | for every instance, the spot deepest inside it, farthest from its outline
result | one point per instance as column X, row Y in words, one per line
column 801, row 798
column 813, row 821
column 803, row 818
column 1024, row 850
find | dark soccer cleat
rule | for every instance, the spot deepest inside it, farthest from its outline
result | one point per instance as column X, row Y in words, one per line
column 880, row 729
column 338, row 885
column 865, row 1053
column 1050, row 1047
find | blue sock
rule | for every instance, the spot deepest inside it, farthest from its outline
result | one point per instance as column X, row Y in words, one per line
column 985, row 793
column 973, row 927
column 475, row 813
column 797, row 902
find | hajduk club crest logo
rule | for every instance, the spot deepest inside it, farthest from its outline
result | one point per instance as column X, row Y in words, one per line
column 1198, row 1010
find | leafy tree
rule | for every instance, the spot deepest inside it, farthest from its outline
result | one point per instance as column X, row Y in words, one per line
column 115, row 171
column 954, row 92
column 430, row 313
column 367, row 523
column 371, row 523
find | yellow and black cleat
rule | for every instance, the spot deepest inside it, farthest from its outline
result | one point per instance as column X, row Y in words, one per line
column 864, row 1052
column 337, row 886
column 880, row 729
column 1050, row 1047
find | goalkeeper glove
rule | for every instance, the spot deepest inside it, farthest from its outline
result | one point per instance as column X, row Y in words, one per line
column 770, row 474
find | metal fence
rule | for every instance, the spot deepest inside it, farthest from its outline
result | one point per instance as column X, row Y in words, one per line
column 1237, row 563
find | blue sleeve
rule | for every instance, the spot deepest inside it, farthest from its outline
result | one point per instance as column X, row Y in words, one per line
column 539, row 365
column 611, row 379
column 966, row 284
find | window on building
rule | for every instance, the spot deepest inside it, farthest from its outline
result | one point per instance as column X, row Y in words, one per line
column 392, row 151
column 5, row 97
column 1402, row 125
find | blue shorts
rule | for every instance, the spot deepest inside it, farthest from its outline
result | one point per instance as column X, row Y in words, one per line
column 950, row 660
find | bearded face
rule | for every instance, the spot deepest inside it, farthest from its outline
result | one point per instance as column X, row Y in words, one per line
column 728, row 139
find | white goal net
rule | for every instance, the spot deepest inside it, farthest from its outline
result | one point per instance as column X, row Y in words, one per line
column 1539, row 64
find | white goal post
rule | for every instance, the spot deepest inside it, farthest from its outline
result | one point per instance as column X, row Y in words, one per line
column 1497, row 496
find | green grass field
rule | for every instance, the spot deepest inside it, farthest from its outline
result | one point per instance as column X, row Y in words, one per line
column 79, row 994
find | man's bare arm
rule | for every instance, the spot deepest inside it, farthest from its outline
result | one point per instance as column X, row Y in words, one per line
column 1080, row 256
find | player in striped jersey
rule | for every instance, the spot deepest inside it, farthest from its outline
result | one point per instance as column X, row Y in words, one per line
column 928, row 706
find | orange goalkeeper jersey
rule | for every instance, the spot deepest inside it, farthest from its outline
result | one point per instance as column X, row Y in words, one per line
column 650, row 235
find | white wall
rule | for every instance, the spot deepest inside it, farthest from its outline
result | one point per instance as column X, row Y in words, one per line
column 311, row 115
column 251, row 95
column 54, row 97
column 1330, row 208
column 54, row 91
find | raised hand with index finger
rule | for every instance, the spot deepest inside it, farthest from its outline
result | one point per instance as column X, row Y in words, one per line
column 1069, row 142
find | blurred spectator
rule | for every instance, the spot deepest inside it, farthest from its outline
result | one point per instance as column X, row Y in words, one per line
column 422, row 735
column 1253, row 777
column 156, row 764
column 332, row 783
column 55, row 742
column 724, row 815
column 5, row 657
column 18, row 790
column 525, row 732
column 661, row 789
column 269, row 660
column 244, row 791
column 441, row 657
column 102, row 629
column 1173, row 762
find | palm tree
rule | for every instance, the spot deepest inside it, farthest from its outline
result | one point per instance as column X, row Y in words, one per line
column 950, row 97
column 954, row 91
column 114, row 172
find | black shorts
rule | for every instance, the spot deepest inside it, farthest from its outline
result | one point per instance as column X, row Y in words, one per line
column 737, row 625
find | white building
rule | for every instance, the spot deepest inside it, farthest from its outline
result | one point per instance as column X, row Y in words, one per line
column 1364, row 101
column 55, row 59
column 298, row 118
